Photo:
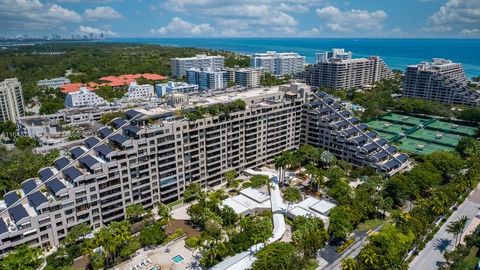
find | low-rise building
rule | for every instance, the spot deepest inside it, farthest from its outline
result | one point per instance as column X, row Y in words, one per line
column 54, row 83
column 179, row 87
column 208, row 79
column 83, row 98
column 440, row 80
column 137, row 91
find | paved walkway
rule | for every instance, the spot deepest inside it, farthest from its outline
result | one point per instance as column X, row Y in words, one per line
column 432, row 255
column 162, row 257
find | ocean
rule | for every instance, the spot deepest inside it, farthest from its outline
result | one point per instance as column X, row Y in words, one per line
column 397, row 53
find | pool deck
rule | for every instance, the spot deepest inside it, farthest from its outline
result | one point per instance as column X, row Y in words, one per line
column 163, row 259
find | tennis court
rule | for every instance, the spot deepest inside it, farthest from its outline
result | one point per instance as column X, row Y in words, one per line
column 422, row 135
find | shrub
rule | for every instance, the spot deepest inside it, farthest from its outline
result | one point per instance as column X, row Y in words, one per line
column 192, row 242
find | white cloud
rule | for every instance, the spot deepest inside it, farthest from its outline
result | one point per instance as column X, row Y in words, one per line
column 102, row 13
column 91, row 30
column 471, row 32
column 33, row 14
column 178, row 27
column 457, row 12
column 292, row 8
column 350, row 20
column 455, row 16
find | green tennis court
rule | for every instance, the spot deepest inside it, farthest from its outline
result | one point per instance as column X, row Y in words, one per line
column 421, row 135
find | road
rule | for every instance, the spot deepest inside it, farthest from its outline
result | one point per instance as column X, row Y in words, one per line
column 432, row 255
column 351, row 251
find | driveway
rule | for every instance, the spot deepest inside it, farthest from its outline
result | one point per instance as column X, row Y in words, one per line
column 432, row 255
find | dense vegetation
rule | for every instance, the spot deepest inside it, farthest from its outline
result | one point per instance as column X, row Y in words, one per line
column 91, row 61
column 20, row 164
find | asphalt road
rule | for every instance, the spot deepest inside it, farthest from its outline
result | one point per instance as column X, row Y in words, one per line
column 432, row 255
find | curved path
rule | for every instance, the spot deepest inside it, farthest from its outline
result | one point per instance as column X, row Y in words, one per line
column 244, row 260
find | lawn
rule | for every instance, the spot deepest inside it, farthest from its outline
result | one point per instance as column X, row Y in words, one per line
column 368, row 225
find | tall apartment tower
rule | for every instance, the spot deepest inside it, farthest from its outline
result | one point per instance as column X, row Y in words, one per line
column 338, row 70
column 279, row 64
column 12, row 106
column 440, row 80
column 207, row 78
column 181, row 65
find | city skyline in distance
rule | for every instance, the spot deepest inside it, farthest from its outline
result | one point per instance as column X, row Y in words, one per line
column 246, row 18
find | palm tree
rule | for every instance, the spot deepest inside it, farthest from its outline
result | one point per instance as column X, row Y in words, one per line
column 327, row 158
column 456, row 227
column 280, row 164
column 349, row 264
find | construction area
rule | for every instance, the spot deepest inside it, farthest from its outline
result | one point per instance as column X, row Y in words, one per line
column 420, row 135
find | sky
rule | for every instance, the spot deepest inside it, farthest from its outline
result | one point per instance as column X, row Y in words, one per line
column 243, row 18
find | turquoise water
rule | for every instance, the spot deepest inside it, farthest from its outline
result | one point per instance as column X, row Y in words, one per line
column 397, row 53
column 177, row 259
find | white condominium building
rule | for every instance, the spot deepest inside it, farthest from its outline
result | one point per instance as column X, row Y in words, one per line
column 83, row 98
column 338, row 70
column 137, row 91
column 154, row 153
column 440, row 80
column 246, row 77
column 170, row 87
column 12, row 106
column 181, row 65
column 280, row 64
column 54, row 83
column 208, row 79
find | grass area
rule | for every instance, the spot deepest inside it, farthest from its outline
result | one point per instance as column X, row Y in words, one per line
column 368, row 225
column 473, row 253
column 172, row 204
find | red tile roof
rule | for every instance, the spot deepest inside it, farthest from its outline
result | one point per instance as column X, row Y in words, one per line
column 73, row 87
column 153, row 77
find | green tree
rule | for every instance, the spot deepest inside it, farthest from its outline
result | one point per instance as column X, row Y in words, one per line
column 292, row 195
column 22, row 257
column 163, row 211
column 230, row 176
column 8, row 128
column 228, row 215
column 456, row 227
column 192, row 191
column 25, row 142
column 349, row 264
column 133, row 212
column 278, row 255
column 342, row 220
column 152, row 235
column 309, row 235
column 76, row 232
column 259, row 180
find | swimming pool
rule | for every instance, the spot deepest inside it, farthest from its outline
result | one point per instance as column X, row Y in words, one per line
column 155, row 268
column 177, row 259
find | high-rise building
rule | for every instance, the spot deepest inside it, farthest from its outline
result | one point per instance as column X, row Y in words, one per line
column 83, row 98
column 12, row 106
column 155, row 153
column 200, row 61
column 279, row 64
column 338, row 70
column 440, row 80
column 207, row 78
column 246, row 77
